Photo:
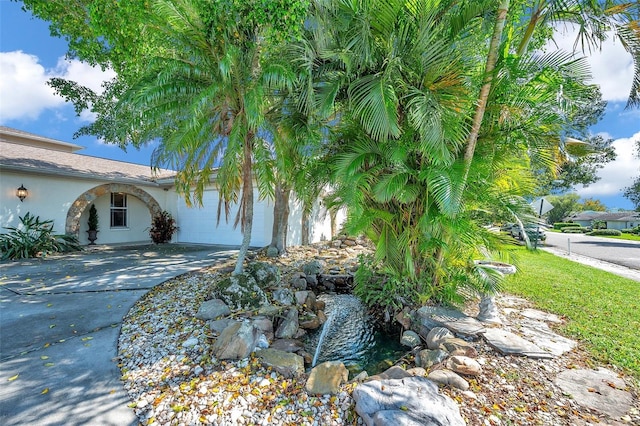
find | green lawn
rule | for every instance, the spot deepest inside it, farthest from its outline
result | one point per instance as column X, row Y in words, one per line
column 602, row 309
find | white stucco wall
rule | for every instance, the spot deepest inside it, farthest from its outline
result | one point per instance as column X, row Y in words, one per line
column 50, row 198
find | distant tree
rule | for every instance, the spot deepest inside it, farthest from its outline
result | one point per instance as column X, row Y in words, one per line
column 633, row 192
column 594, row 205
column 563, row 205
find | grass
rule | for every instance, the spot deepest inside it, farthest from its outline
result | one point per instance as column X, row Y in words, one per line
column 629, row 237
column 602, row 309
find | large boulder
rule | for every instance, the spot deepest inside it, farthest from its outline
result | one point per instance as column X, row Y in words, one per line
column 212, row 309
column 237, row 341
column 265, row 274
column 326, row 378
column 411, row 401
column 241, row 292
column 286, row 363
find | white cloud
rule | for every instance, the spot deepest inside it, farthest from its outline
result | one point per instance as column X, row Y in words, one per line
column 23, row 84
column 618, row 174
column 611, row 66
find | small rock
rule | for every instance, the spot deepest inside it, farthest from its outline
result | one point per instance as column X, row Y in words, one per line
column 437, row 336
column 448, row 377
column 410, row 339
column 189, row 343
column 417, row 371
column 289, row 325
column 237, row 341
column 427, row 357
column 286, row 363
column 287, row 345
column 464, row 365
column 457, row 346
column 283, row 296
column 212, row 309
column 327, row 378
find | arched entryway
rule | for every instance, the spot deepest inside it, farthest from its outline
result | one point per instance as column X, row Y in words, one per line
column 72, row 225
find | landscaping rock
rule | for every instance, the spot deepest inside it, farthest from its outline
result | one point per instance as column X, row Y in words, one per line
column 270, row 311
column 287, row 345
column 309, row 321
column 437, row 336
column 511, row 344
column 289, row 325
column 457, row 346
column 212, row 309
column 283, row 296
column 241, row 292
column 237, row 341
column 286, row 363
column 449, row 378
column 218, row 326
column 540, row 334
column 412, row 401
column 427, row 357
column 430, row 317
column 265, row 274
column 264, row 325
column 314, row 267
column 410, row 339
column 393, row 372
column 327, row 378
column 301, row 296
column 535, row 314
column 599, row 389
column 464, row 365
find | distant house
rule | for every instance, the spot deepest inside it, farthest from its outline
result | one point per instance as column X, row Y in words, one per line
column 584, row 218
column 62, row 184
column 618, row 220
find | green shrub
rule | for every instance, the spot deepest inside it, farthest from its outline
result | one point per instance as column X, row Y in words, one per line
column 609, row 232
column 635, row 230
column 560, row 225
column 33, row 238
column 162, row 228
column 574, row 230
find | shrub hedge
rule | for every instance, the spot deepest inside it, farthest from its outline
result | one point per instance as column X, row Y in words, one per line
column 560, row 225
column 574, row 230
column 614, row 232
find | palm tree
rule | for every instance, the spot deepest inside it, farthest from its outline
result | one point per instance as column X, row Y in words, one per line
column 204, row 93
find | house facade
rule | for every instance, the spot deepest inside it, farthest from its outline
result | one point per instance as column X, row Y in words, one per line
column 618, row 220
column 61, row 185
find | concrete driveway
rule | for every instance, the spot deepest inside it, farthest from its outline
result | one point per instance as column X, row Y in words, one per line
column 60, row 319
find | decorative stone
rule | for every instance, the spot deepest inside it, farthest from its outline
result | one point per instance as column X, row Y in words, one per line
column 287, row 345
column 289, row 325
column 535, row 314
column 264, row 325
column 430, row 317
column 212, row 309
column 218, row 326
column 540, row 334
column 241, row 292
column 283, row 296
column 599, row 389
column 412, row 401
column 410, row 339
column 327, row 378
column 449, row 378
column 237, row 341
column 265, row 274
column 269, row 311
column 457, row 346
column 309, row 321
column 511, row 344
column 437, row 336
column 286, row 363
column 272, row 251
column 427, row 357
column 464, row 365
column 314, row 267
column 299, row 283
column 301, row 296
column 417, row 371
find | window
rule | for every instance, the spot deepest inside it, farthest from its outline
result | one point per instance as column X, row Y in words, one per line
column 118, row 210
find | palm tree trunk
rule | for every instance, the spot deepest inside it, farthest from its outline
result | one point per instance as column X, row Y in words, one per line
column 306, row 213
column 280, row 217
column 492, row 59
column 247, row 203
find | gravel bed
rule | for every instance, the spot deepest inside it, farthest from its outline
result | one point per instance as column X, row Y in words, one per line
column 172, row 379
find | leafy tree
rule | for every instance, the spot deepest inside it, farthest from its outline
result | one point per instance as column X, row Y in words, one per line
column 633, row 192
column 593, row 205
column 563, row 206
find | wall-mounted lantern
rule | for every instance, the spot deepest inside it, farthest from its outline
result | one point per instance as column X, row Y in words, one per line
column 22, row 192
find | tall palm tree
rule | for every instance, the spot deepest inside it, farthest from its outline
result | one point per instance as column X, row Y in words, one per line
column 204, row 94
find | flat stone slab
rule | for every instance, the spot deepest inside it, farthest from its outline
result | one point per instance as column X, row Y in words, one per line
column 511, row 344
column 599, row 389
column 535, row 314
column 540, row 334
column 432, row 316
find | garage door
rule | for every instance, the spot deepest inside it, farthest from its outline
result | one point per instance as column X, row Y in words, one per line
column 198, row 224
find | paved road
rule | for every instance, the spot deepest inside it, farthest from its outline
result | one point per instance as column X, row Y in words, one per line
column 59, row 324
column 619, row 252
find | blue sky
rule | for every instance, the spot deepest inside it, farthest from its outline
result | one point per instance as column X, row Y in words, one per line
column 29, row 56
